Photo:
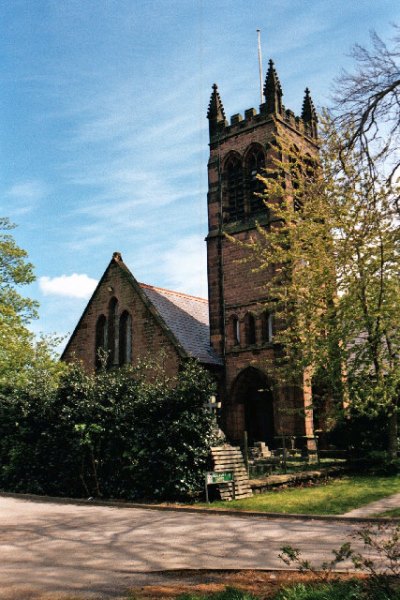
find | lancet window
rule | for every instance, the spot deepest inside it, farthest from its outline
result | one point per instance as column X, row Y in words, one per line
column 100, row 340
column 255, row 165
column 250, row 329
column 125, row 338
column 113, row 332
column 234, row 204
column 235, row 329
column 267, row 327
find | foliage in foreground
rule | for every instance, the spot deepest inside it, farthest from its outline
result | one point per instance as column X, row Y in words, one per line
column 113, row 434
column 380, row 560
column 351, row 589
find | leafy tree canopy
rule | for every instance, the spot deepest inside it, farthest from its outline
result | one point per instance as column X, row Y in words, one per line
column 331, row 258
column 23, row 360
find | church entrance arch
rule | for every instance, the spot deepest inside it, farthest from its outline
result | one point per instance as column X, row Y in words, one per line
column 252, row 389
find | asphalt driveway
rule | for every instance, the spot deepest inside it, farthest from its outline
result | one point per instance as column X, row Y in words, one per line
column 92, row 550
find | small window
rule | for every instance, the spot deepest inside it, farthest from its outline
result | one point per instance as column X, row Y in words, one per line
column 235, row 331
column 125, row 339
column 250, row 329
column 267, row 328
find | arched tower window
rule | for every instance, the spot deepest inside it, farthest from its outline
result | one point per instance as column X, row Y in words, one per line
column 255, row 165
column 296, row 177
column 250, row 329
column 113, row 332
column 101, row 340
column 125, row 339
column 234, row 188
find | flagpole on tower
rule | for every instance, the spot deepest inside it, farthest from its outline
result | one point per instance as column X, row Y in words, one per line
column 260, row 69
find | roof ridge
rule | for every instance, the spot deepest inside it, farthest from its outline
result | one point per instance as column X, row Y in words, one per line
column 183, row 294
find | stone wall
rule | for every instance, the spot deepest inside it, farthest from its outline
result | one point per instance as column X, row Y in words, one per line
column 147, row 337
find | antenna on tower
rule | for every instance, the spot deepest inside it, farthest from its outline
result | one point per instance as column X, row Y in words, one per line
column 260, row 69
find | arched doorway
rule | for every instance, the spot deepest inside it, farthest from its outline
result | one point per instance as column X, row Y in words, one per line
column 252, row 390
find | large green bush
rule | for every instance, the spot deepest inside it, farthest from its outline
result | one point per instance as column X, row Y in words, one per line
column 113, row 434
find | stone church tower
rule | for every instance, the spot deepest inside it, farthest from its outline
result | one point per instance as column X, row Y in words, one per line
column 241, row 330
column 233, row 335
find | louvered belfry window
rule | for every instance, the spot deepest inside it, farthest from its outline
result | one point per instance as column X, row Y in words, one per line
column 255, row 166
column 234, row 189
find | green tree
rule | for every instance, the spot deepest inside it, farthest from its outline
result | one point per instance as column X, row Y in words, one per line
column 331, row 258
column 22, row 358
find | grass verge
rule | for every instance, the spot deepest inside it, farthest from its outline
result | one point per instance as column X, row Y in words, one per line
column 394, row 512
column 334, row 497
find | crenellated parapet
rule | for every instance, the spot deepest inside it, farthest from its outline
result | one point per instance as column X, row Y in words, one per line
column 271, row 109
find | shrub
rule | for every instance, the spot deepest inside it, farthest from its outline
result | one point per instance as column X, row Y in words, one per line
column 380, row 560
column 113, row 434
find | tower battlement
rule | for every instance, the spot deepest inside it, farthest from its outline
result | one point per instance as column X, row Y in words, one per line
column 271, row 109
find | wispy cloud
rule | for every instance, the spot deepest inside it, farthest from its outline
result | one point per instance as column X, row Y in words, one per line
column 28, row 190
column 23, row 197
column 71, row 286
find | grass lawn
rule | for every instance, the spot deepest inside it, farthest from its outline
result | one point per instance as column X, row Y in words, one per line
column 333, row 498
column 395, row 512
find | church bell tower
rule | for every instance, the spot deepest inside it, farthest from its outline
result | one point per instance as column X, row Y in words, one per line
column 241, row 330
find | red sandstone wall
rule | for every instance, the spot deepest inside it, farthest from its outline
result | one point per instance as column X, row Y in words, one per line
column 234, row 289
column 148, row 338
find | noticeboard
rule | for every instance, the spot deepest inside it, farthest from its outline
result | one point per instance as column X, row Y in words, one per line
column 219, row 477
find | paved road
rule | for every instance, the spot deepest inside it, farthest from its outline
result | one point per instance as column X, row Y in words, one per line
column 49, row 547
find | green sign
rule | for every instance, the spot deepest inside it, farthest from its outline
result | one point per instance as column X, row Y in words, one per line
column 219, row 477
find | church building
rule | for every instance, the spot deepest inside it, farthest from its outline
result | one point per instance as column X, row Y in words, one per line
column 232, row 334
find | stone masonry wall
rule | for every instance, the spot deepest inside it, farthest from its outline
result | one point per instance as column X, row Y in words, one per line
column 148, row 338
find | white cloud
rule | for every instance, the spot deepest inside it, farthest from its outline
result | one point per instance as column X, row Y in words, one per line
column 72, row 286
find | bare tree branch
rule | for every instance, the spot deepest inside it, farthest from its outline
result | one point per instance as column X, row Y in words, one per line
column 367, row 102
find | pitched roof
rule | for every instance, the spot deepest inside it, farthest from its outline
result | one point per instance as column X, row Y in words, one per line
column 187, row 318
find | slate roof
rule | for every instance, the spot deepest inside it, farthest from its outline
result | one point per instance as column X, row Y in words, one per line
column 187, row 318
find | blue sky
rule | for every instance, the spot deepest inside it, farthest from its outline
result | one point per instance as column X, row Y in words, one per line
column 104, row 136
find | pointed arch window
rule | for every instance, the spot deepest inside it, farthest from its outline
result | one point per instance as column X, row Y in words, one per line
column 255, row 166
column 235, row 330
column 100, row 340
column 267, row 327
column 250, row 329
column 234, row 188
column 296, row 177
column 112, row 331
column 125, row 339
